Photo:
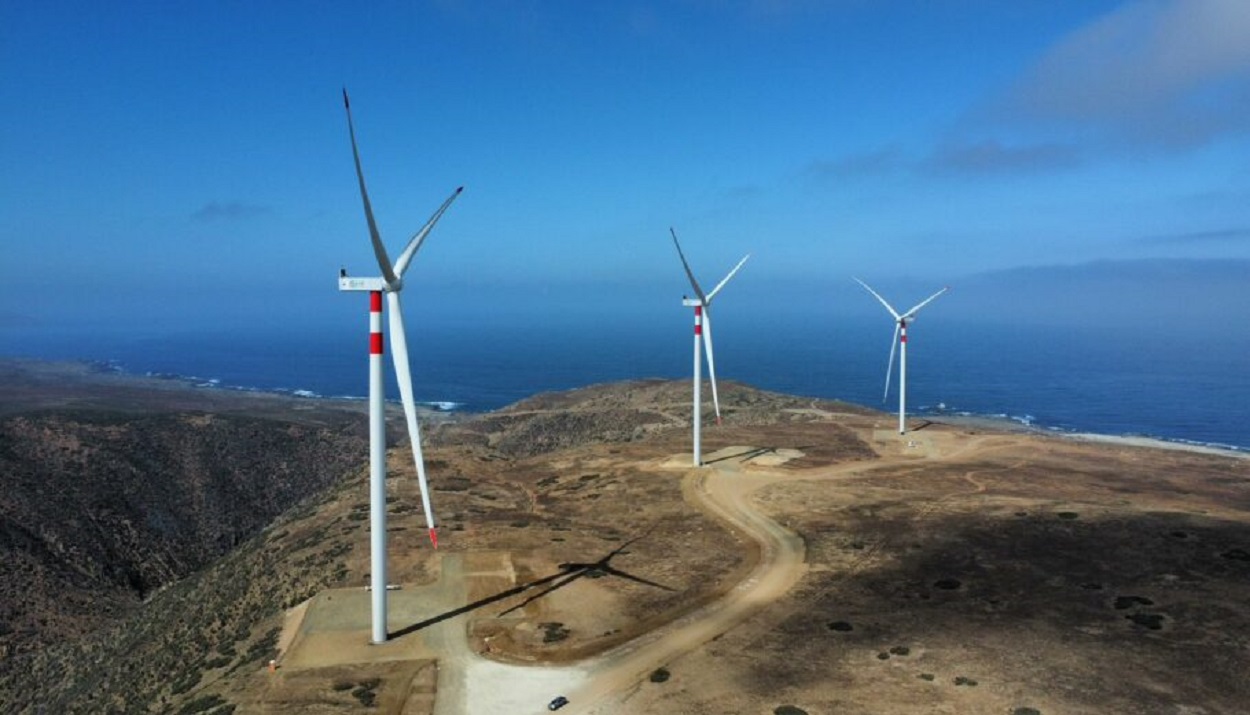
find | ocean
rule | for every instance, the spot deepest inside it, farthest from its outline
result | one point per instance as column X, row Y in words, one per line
column 1191, row 388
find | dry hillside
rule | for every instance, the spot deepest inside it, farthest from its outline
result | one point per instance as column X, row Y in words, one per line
column 819, row 564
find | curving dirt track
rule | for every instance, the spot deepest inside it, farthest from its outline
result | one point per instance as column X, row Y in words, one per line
column 921, row 484
column 724, row 488
column 723, row 492
column 604, row 684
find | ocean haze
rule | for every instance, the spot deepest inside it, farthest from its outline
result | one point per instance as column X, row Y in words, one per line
column 201, row 176
column 1122, row 348
column 1164, row 295
column 1161, row 296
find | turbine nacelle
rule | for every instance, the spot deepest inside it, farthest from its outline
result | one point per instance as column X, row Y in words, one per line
column 369, row 285
column 379, row 285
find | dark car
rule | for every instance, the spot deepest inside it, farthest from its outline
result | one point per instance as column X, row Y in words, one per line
column 558, row 703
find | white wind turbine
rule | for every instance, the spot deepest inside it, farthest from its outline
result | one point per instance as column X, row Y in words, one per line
column 702, row 331
column 391, row 283
column 900, row 338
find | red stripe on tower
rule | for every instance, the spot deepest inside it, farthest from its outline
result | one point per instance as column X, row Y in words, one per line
column 902, row 335
column 698, row 320
column 375, row 323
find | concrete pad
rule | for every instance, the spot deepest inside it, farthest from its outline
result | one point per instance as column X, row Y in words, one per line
column 678, row 461
column 912, row 444
column 750, row 455
column 776, row 457
column 336, row 629
column 736, row 455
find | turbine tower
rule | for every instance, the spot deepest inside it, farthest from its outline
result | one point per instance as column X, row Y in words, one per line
column 391, row 283
column 702, row 304
column 900, row 339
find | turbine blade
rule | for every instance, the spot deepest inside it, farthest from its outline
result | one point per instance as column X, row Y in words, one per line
column 399, row 351
column 878, row 297
column 711, row 359
column 889, row 370
column 693, row 283
column 725, row 280
column 414, row 243
column 384, row 262
column 925, row 302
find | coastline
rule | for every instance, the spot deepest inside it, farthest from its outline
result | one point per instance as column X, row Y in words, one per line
column 1157, row 443
column 37, row 384
column 1009, row 425
column 60, row 378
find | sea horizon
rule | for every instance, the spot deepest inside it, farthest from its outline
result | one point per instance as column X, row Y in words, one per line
column 1057, row 379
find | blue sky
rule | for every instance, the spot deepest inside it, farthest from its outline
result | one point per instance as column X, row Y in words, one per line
column 188, row 163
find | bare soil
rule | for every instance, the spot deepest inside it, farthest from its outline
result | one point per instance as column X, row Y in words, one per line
column 951, row 570
column 821, row 563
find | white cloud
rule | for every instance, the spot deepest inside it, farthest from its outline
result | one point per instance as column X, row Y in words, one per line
column 1167, row 71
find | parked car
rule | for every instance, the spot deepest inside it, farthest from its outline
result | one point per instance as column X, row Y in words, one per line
column 558, row 703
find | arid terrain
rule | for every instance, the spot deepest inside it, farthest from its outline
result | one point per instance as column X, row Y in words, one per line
column 819, row 563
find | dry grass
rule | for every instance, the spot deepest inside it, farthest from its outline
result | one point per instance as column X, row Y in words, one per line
column 972, row 573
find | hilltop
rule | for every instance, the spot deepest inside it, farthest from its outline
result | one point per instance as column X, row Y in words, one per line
column 820, row 563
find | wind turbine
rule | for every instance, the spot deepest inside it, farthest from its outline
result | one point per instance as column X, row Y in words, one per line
column 900, row 338
column 391, row 283
column 702, row 331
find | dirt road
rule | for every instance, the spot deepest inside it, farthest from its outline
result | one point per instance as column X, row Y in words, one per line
column 605, row 684
column 723, row 488
column 602, row 685
column 724, row 491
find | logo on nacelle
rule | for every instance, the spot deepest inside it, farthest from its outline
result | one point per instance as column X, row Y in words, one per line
column 362, row 284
